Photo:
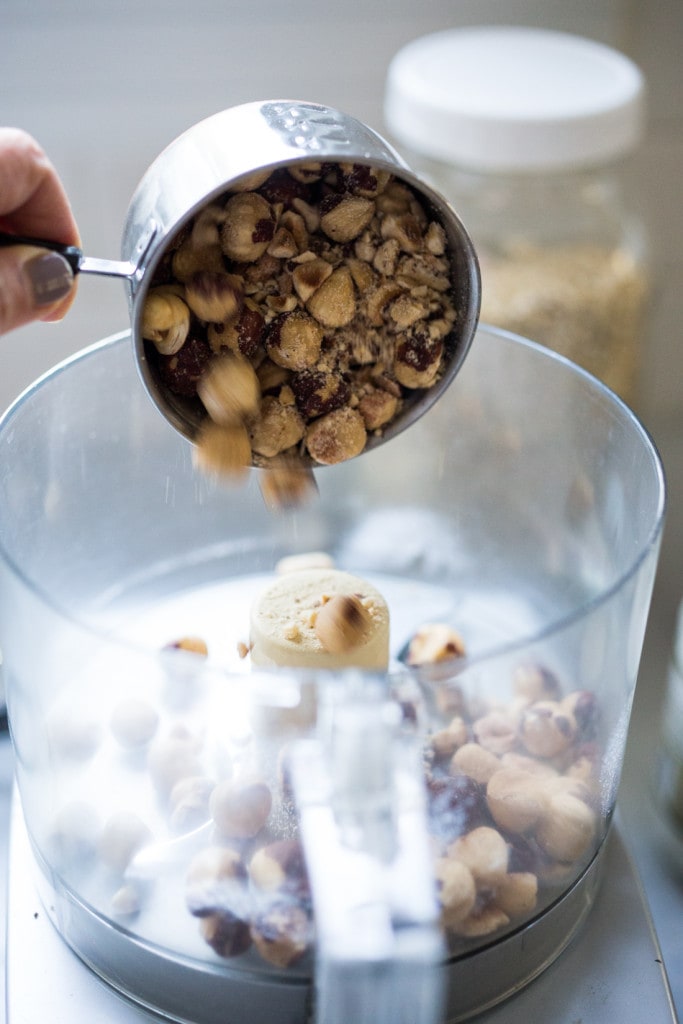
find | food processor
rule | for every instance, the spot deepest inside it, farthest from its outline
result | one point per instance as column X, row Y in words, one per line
column 435, row 834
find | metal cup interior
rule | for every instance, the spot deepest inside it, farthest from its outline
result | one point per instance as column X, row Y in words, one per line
column 213, row 157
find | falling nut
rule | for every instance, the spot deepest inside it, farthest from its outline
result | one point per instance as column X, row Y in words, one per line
column 287, row 486
column 342, row 623
column 224, row 450
column 215, row 297
column 230, row 391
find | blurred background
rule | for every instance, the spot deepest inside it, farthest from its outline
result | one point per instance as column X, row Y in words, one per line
column 105, row 86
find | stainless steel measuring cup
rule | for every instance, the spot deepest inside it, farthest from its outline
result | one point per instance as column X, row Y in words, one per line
column 203, row 163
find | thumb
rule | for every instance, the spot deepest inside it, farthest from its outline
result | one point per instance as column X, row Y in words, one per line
column 35, row 284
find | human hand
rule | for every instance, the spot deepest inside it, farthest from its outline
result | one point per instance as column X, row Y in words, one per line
column 34, row 284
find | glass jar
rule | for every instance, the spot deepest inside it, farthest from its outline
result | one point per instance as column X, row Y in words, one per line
column 526, row 132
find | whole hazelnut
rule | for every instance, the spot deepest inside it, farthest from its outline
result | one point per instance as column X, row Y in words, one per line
column 496, row 732
column 338, row 436
column 319, row 391
column 515, row 799
column 293, row 340
column 165, row 320
column 248, row 228
column 517, row 892
column 485, row 853
column 342, row 623
column 456, row 890
column 280, row 866
column 475, row 761
column 189, row 802
column 134, row 722
column 433, row 643
column 122, row 836
column 171, row 758
column 227, row 934
column 277, row 428
column 215, row 882
column 281, row 933
column 567, row 828
column 547, row 729
column 240, row 809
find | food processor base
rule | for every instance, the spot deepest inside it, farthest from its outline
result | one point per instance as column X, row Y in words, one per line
column 609, row 972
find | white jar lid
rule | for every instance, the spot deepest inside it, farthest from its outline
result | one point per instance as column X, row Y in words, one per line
column 514, row 99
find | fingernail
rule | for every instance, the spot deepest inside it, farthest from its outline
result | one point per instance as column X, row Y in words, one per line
column 51, row 278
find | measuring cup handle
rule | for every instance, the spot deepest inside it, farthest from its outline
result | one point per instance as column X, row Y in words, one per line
column 359, row 793
column 79, row 263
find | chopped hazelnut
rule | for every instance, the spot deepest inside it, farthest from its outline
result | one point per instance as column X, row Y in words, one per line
column 377, row 407
column 344, row 218
column 307, row 277
column 333, row 304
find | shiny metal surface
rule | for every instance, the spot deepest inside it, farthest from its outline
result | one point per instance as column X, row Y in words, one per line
column 204, row 161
